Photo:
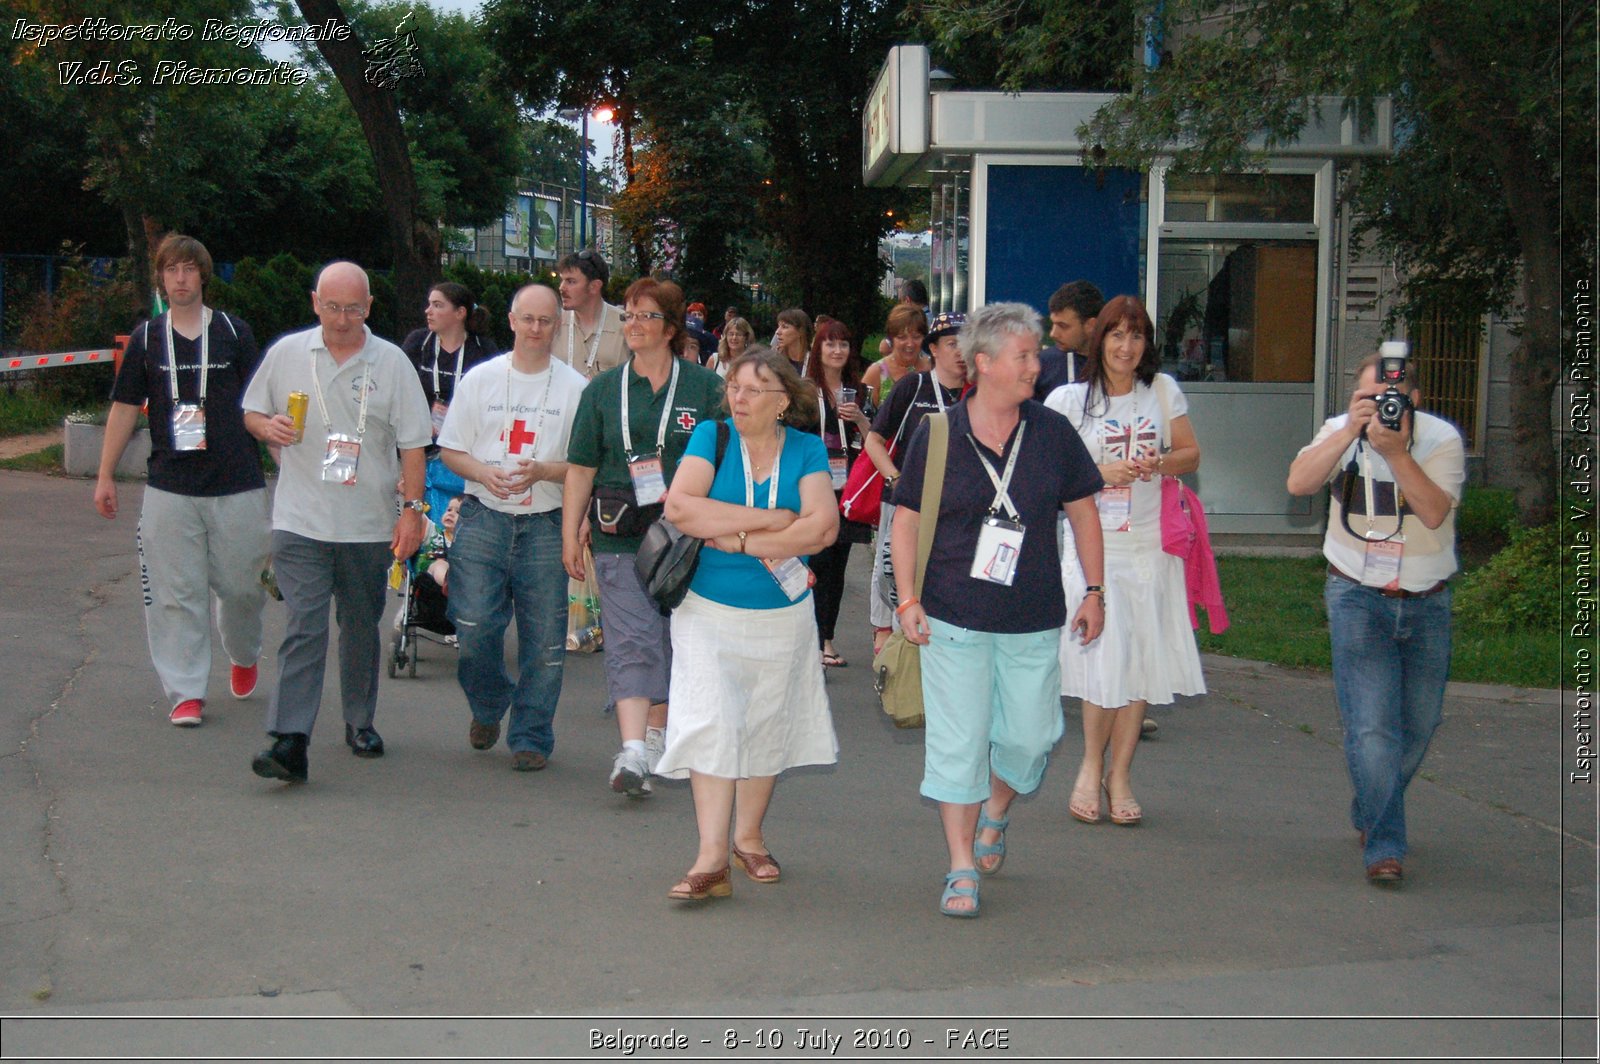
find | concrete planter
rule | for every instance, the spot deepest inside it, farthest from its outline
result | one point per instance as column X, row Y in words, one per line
column 82, row 445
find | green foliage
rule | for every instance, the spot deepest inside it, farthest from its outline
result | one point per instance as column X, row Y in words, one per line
column 46, row 460
column 1520, row 588
column 25, row 409
column 1483, row 523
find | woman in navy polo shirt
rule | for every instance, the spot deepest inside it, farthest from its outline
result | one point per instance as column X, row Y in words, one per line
column 992, row 605
column 747, row 693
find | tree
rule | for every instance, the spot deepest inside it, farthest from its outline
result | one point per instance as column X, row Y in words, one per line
column 1470, row 204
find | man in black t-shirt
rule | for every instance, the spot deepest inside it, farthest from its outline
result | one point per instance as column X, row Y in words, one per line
column 1073, row 310
column 203, row 530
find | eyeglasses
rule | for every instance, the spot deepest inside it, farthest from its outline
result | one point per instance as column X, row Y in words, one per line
column 736, row 392
column 354, row 310
column 528, row 321
column 642, row 315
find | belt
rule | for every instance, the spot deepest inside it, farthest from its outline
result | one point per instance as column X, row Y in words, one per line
column 1391, row 592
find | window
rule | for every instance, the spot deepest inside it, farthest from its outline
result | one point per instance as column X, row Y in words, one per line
column 1447, row 354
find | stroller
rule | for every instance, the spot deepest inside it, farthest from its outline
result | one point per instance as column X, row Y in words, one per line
column 422, row 615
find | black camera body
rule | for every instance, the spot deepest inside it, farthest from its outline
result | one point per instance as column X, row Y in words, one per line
column 1393, row 404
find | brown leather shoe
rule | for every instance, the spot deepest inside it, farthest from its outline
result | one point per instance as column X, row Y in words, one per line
column 1385, row 873
column 528, row 761
column 697, row 886
column 482, row 736
column 761, row 867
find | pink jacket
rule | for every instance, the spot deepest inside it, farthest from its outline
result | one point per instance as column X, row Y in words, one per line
column 1200, row 574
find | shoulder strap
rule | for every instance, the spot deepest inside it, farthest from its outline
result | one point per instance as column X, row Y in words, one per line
column 932, row 493
column 722, row 445
column 228, row 322
column 907, row 415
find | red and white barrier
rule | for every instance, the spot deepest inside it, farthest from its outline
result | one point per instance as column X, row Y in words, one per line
column 16, row 363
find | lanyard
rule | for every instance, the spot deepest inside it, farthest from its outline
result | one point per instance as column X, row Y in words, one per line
column 544, row 403
column 938, row 390
column 1002, row 483
column 822, row 422
column 593, row 342
column 772, row 480
column 1366, row 483
column 461, row 353
column 322, row 404
column 205, row 355
column 666, row 413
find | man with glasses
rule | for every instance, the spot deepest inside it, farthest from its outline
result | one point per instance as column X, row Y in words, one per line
column 589, row 338
column 364, row 426
column 506, row 436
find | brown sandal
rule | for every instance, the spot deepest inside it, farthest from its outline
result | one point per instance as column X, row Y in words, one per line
column 761, row 867
column 697, row 886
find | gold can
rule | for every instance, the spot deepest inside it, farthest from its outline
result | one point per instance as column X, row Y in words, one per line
column 298, row 403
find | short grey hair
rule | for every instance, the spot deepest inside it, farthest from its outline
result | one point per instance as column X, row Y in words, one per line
column 987, row 328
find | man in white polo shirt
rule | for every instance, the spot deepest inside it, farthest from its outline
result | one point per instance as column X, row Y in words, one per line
column 334, row 529
column 506, row 436
column 1391, row 547
column 589, row 338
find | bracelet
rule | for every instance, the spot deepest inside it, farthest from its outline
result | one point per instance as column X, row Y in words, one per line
column 906, row 605
column 1096, row 591
column 1161, row 460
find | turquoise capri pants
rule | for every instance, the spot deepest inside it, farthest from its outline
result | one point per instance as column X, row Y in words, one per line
column 992, row 703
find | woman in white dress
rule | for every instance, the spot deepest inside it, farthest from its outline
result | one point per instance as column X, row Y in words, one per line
column 1124, row 411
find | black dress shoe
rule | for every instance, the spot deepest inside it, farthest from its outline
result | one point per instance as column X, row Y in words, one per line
column 284, row 760
column 363, row 742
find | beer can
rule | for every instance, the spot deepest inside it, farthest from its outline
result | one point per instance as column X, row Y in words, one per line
column 298, row 403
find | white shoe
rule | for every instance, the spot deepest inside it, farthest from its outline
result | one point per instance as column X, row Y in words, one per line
column 628, row 772
column 655, row 744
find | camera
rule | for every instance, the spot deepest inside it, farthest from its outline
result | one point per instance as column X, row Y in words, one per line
column 1392, row 403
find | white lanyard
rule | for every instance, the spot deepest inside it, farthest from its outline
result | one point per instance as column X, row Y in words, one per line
column 938, row 390
column 666, row 413
column 205, row 356
column 1002, row 483
column 749, row 475
column 544, row 403
column 1366, row 483
column 461, row 354
column 593, row 342
column 822, row 421
column 322, row 404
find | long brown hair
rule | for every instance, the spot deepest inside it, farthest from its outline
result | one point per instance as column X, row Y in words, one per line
column 1119, row 311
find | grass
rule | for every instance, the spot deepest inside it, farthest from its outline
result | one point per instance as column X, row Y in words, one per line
column 23, row 412
column 48, row 460
column 1275, row 605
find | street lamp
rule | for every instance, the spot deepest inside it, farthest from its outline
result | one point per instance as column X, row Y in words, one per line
column 602, row 114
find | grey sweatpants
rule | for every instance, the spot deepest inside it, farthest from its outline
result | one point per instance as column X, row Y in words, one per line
column 193, row 549
column 311, row 574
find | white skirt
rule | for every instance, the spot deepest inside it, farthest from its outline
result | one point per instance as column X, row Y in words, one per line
column 1147, row 651
column 747, row 692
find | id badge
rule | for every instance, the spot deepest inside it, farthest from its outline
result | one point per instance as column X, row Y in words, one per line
column 999, row 547
column 1382, row 567
column 440, row 409
column 838, row 470
column 188, row 427
column 649, row 486
column 340, row 460
column 791, row 575
column 1116, row 508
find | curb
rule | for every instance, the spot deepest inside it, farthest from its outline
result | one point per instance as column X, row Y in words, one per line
column 1486, row 692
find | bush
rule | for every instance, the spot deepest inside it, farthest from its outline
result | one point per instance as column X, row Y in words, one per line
column 84, row 312
column 1484, row 522
column 1519, row 589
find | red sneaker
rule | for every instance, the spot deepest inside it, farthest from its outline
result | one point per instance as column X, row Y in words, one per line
column 242, row 679
column 186, row 714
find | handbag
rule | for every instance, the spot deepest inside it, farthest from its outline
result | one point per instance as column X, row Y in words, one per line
column 1178, row 500
column 617, row 512
column 861, row 498
column 897, row 668
column 667, row 558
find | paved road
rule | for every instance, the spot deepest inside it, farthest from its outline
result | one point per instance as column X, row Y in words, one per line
column 389, row 907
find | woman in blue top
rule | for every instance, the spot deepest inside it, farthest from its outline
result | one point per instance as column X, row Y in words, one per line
column 745, row 673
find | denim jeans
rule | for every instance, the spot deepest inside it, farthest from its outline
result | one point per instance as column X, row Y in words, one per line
column 500, row 565
column 1391, row 658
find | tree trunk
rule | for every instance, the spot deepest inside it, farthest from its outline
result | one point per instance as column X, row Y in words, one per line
column 415, row 238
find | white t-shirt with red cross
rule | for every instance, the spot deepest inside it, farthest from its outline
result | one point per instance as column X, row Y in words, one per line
column 537, row 426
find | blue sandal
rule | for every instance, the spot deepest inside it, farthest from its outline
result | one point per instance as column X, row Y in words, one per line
column 952, row 892
column 980, row 850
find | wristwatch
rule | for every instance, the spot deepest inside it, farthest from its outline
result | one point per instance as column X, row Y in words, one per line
column 417, row 505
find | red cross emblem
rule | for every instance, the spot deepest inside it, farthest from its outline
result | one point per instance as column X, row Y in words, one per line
column 519, row 436
column 686, row 421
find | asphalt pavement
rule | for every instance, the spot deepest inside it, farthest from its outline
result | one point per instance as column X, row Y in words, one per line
column 157, row 899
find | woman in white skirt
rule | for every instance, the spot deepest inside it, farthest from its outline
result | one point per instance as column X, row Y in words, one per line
column 1123, row 410
column 746, row 681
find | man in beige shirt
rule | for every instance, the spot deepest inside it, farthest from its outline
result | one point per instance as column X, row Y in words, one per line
column 589, row 338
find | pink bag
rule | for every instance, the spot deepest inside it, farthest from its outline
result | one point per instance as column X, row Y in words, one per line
column 1178, row 505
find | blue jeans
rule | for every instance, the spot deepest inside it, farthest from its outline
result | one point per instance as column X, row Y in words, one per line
column 502, row 564
column 1391, row 658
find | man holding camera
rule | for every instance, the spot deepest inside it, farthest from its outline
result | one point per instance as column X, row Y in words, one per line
column 1396, row 475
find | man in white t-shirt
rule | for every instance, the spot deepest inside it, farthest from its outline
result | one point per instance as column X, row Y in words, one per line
column 1391, row 548
column 506, row 436
column 589, row 338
